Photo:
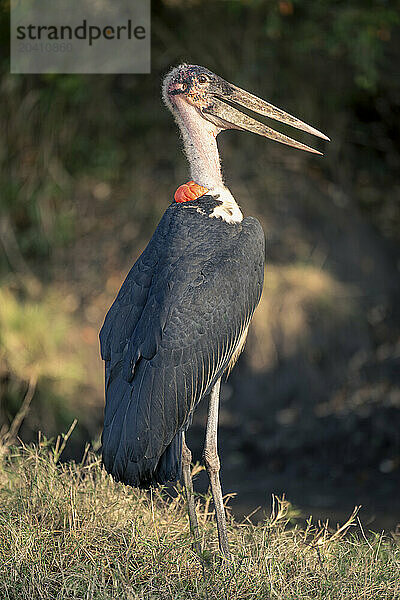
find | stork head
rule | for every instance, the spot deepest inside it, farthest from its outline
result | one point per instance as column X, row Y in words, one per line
column 195, row 93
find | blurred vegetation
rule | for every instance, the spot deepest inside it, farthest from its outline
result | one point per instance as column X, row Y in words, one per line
column 89, row 163
column 27, row 348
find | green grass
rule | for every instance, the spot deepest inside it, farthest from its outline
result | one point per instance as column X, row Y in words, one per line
column 68, row 531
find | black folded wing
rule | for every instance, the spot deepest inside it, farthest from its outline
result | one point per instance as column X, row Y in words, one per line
column 171, row 333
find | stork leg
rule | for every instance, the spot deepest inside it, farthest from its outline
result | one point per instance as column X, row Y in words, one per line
column 211, row 459
column 188, row 483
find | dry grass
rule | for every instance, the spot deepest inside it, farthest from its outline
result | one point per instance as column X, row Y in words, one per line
column 69, row 532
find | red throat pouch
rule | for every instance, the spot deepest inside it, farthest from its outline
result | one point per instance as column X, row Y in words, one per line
column 189, row 191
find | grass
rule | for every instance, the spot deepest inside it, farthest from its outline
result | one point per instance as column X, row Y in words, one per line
column 67, row 531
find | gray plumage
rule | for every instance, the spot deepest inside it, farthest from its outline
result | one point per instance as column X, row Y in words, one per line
column 171, row 333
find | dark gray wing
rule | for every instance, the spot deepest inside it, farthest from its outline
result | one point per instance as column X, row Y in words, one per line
column 171, row 334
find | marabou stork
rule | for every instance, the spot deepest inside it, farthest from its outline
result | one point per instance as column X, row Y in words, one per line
column 181, row 317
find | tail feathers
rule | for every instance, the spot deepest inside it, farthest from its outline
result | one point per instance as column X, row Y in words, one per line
column 170, row 464
column 147, row 471
column 142, row 439
column 134, row 448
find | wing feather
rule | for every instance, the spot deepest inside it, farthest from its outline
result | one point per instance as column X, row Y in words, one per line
column 170, row 334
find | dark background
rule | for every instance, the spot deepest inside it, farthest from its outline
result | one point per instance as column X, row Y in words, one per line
column 88, row 164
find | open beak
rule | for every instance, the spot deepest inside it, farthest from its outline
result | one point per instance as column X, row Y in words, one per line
column 232, row 118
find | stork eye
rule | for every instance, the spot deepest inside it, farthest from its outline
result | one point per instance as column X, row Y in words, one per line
column 202, row 79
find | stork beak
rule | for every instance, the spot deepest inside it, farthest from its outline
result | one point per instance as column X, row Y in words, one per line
column 232, row 118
